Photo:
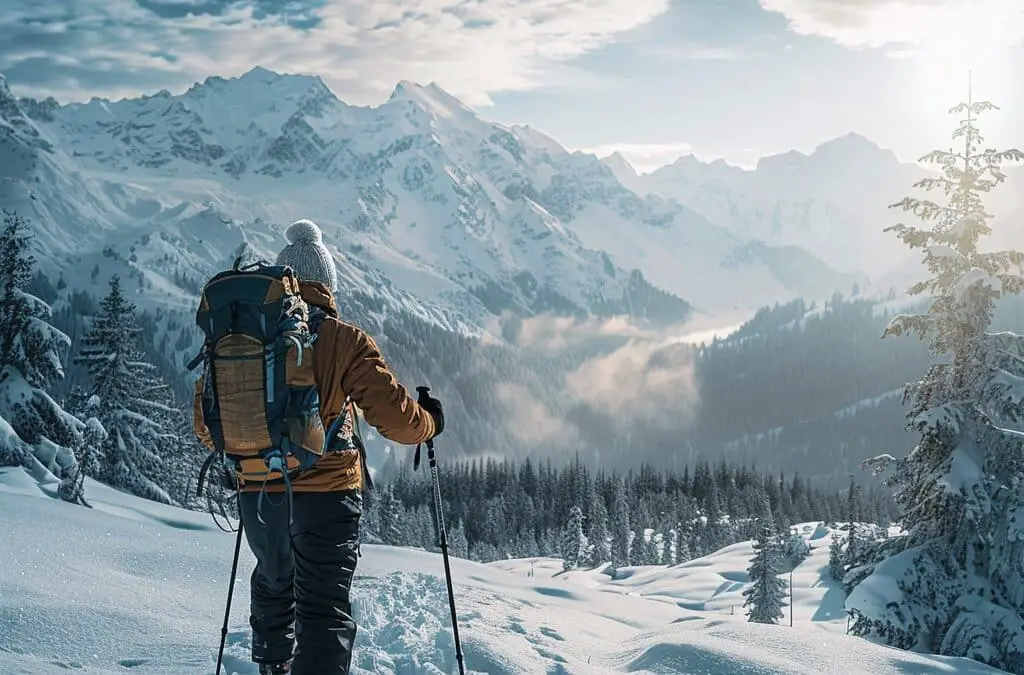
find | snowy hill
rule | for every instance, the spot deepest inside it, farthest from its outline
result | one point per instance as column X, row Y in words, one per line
column 134, row 586
column 833, row 201
column 426, row 205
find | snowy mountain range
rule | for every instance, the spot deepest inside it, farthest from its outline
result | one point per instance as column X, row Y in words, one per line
column 426, row 205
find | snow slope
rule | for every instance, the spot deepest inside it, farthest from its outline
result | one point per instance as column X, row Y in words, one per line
column 714, row 584
column 134, row 586
column 422, row 201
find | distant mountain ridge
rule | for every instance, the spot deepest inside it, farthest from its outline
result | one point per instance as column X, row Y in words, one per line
column 833, row 201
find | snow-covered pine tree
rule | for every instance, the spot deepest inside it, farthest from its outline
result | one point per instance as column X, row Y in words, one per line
column 671, row 556
column 30, row 362
column 645, row 545
column 79, row 403
column 956, row 578
column 853, row 518
column 141, row 453
column 796, row 548
column 835, row 557
column 597, row 532
column 621, row 532
column 574, row 542
column 458, row 546
column 767, row 592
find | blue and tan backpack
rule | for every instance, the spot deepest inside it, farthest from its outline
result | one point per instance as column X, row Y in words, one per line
column 259, row 398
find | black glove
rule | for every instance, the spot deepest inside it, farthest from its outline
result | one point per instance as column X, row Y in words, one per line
column 432, row 406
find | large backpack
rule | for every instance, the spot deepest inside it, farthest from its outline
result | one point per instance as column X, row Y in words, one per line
column 259, row 399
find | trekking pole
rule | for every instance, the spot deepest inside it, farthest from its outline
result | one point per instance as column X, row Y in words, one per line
column 442, row 535
column 231, row 592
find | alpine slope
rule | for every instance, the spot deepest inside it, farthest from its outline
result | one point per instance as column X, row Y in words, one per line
column 132, row 586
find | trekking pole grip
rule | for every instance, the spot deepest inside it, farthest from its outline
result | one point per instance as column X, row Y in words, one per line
column 423, row 393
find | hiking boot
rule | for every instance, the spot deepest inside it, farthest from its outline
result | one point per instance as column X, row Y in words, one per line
column 276, row 668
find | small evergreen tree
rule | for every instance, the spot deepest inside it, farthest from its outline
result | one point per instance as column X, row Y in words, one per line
column 140, row 453
column 956, row 574
column 796, row 549
column 766, row 594
column 835, row 557
column 671, row 556
column 389, row 515
column 458, row 547
column 574, row 542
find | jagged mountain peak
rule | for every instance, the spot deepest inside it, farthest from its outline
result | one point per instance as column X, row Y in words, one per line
column 849, row 140
column 854, row 146
column 618, row 163
column 851, row 150
column 432, row 98
column 260, row 87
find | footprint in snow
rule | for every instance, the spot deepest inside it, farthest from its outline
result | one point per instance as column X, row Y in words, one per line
column 551, row 633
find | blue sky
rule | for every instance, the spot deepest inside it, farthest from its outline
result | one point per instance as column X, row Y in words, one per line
column 732, row 79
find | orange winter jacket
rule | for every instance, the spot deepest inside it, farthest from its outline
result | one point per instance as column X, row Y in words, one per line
column 346, row 362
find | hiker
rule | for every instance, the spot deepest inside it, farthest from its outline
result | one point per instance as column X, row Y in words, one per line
column 304, row 569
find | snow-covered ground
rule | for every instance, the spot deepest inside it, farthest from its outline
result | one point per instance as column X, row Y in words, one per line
column 132, row 586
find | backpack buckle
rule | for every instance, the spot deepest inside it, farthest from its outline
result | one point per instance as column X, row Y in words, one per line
column 274, row 461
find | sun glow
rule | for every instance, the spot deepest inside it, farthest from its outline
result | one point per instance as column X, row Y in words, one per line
column 979, row 46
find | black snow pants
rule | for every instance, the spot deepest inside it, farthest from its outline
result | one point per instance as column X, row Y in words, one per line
column 300, row 587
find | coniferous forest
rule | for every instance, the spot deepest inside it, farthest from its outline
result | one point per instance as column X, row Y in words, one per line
column 643, row 517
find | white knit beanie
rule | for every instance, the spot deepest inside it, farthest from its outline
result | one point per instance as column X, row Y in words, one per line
column 307, row 255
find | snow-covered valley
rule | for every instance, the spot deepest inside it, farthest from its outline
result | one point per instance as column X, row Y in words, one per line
column 134, row 586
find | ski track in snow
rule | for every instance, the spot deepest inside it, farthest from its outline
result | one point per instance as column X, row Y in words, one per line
column 133, row 587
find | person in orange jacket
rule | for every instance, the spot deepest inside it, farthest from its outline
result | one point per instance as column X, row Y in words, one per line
column 300, row 611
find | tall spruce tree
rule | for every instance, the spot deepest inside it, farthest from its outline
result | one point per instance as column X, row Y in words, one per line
column 622, row 535
column 767, row 592
column 31, row 351
column 141, row 453
column 956, row 574
column 671, row 555
column 574, row 542
column 600, row 549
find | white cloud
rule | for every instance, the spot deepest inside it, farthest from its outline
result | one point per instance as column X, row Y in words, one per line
column 644, row 382
column 644, row 157
column 361, row 48
column 879, row 23
column 529, row 421
column 551, row 334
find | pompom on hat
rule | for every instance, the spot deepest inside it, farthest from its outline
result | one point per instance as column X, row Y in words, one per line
column 307, row 255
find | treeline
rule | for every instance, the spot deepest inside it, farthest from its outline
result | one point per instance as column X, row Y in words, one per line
column 642, row 517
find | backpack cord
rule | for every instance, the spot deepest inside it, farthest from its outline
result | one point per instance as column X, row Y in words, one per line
column 275, row 463
column 203, row 490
